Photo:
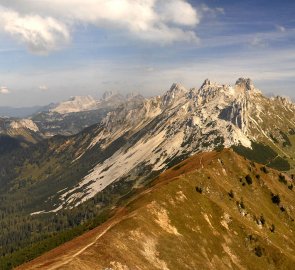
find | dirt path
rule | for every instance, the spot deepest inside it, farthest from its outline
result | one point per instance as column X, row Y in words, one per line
column 71, row 257
column 63, row 253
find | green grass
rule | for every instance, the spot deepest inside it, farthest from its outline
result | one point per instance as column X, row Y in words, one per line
column 263, row 154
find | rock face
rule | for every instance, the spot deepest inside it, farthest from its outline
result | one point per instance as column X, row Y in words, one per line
column 24, row 124
column 175, row 93
column 72, row 116
column 245, row 84
column 88, row 103
column 145, row 136
column 25, row 131
column 108, row 94
column 76, row 104
column 158, row 132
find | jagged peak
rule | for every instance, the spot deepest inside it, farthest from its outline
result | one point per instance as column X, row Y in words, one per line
column 245, row 84
column 177, row 87
column 108, row 94
column 207, row 89
column 285, row 100
column 207, row 82
column 176, row 91
column 132, row 95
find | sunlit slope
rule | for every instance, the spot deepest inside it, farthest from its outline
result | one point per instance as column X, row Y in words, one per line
column 212, row 211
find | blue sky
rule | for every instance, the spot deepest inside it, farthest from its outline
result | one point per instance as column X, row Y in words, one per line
column 86, row 47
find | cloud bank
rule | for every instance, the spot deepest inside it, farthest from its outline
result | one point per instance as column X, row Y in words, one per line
column 46, row 25
column 39, row 34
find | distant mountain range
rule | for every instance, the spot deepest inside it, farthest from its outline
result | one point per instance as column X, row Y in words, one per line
column 19, row 112
column 90, row 156
column 64, row 118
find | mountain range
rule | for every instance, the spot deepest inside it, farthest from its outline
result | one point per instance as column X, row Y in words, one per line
column 19, row 112
column 90, row 157
column 64, row 118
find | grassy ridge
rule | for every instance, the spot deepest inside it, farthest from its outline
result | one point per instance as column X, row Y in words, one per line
column 212, row 211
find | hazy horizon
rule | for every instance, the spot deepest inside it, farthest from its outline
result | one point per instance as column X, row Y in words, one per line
column 98, row 95
column 52, row 51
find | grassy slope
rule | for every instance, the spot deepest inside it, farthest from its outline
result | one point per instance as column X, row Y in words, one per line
column 172, row 226
column 274, row 126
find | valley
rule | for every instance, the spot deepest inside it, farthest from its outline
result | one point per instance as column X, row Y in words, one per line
column 65, row 184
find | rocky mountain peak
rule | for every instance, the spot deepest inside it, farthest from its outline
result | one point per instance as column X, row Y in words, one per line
column 177, row 87
column 207, row 82
column 81, row 98
column 245, row 84
column 109, row 94
column 285, row 101
column 75, row 104
column 176, row 92
column 24, row 124
column 148, row 134
column 132, row 95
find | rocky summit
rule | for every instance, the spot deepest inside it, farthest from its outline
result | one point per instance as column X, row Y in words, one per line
column 162, row 131
column 70, row 183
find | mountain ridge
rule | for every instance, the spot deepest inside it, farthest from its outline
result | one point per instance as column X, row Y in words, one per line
column 61, row 183
column 162, row 130
column 188, row 205
column 178, row 104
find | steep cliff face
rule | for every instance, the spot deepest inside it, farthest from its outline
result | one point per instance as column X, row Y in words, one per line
column 144, row 137
column 150, row 135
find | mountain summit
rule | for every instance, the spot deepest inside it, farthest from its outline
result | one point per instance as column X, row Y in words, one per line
column 62, row 182
column 245, row 84
column 144, row 136
column 76, row 104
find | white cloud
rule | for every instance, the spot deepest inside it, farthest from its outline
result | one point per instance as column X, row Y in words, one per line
column 39, row 34
column 4, row 90
column 220, row 10
column 178, row 12
column 211, row 11
column 281, row 28
column 257, row 39
column 258, row 42
column 45, row 25
column 43, row 87
column 271, row 69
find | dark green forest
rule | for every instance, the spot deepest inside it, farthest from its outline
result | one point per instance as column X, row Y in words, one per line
column 24, row 236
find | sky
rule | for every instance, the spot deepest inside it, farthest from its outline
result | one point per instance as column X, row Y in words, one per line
column 51, row 50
